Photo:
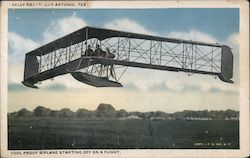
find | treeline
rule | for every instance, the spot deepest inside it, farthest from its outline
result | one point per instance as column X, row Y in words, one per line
column 103, row 111
column 108, row 111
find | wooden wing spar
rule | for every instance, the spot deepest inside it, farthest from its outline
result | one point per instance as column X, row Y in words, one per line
column 91, row 55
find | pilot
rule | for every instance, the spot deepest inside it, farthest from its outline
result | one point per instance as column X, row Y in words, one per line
column 108, row 54
column 99, row 52
column 88, row 51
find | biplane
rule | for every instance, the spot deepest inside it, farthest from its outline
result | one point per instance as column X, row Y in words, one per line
column 92, row 56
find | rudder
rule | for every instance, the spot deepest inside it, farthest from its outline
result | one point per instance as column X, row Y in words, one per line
column 226, row 64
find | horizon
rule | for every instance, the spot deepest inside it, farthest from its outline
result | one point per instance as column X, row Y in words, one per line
column 120, row 109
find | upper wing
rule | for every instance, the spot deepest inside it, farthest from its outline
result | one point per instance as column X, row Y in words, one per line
column 101, row 34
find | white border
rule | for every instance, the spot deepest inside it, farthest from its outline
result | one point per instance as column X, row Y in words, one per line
column 244, row 76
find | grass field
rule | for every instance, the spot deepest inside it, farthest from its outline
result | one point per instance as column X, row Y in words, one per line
column 76, row 133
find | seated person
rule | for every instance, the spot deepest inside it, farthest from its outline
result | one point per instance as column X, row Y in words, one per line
column 97, row 50
column 88, row 51
column 108, row 54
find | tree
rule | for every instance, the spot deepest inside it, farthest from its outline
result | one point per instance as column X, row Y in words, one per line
column 159, row 114
column 121, row 113
column 41, row 111
column 231, row 114
column 24, row 113
column 54, row 113
column 105, row 110
column 66, row 112
column 84, row 113
column 12, row 115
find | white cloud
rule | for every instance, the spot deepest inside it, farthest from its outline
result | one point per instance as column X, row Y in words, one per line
column 128, row 25
column 63, row 27
column 19, row 44
column 15, row 73
column 193, row 35
column 66, row 80
column 234, row 39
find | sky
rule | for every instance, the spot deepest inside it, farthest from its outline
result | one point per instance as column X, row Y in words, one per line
column 144, row 89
